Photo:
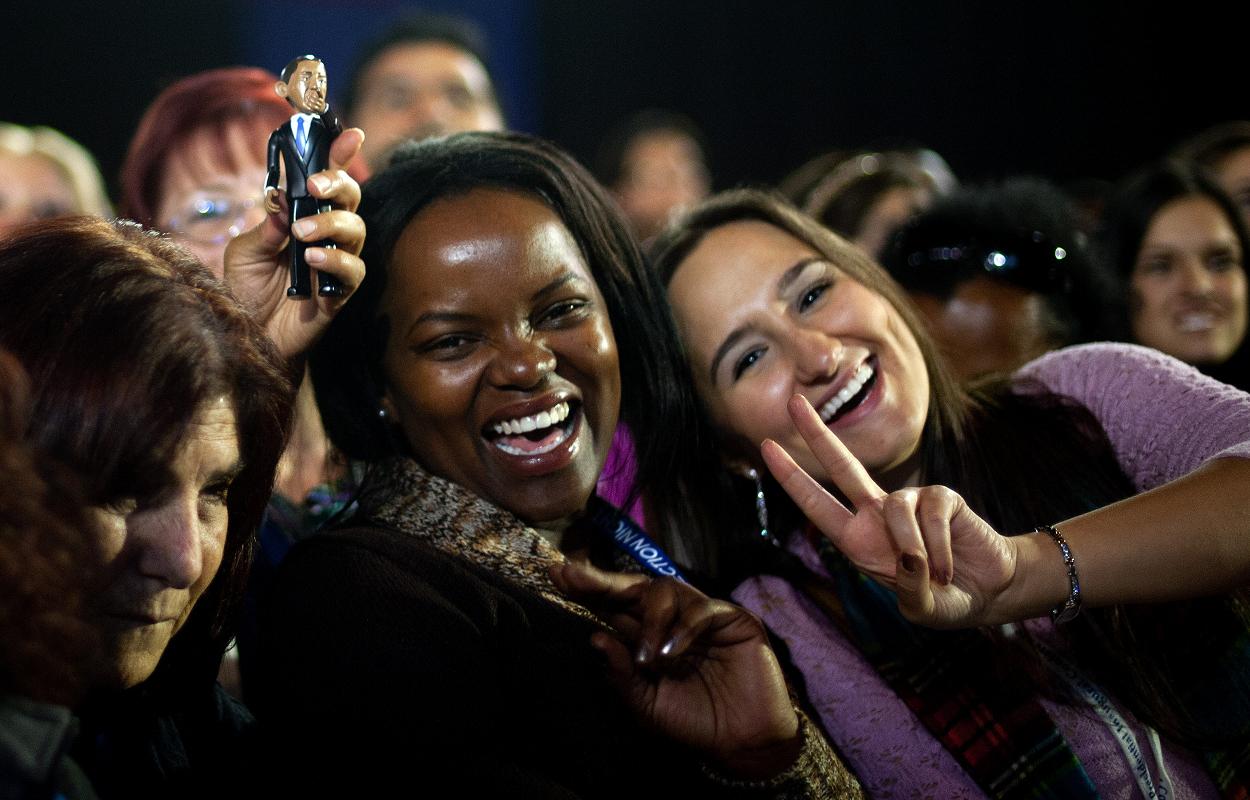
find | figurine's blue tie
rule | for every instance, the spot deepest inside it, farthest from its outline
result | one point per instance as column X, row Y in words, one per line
column 301, row 138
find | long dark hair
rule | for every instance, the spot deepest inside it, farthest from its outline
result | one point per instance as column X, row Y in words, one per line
column 1019, row 455
column 1131, row 209
column 656, row 403
column 124, row 336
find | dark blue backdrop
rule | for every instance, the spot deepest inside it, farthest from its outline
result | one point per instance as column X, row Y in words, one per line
column 1065, row 89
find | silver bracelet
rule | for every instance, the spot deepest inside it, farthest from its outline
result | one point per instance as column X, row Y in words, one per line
column 1069, row 608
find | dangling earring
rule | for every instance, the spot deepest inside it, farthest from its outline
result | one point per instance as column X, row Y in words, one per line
column 761, row 506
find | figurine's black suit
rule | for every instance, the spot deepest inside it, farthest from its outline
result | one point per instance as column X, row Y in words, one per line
column 322, row 131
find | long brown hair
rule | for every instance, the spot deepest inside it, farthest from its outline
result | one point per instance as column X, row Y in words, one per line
column 124, row 336
column 949, row 405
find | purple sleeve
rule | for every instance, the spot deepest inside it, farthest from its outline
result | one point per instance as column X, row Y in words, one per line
column 1163, row 417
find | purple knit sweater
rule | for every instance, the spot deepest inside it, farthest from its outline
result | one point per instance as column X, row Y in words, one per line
column 1164, row 419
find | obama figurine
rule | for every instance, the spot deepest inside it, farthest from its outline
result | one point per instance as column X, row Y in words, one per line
column 304, row 144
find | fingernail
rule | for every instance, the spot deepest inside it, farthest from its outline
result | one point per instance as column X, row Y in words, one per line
column 947, row 577
column 315, row 255
column 321, row 182
column 910, row 563
column 667, row 649
column 303, row 227
column 644, row 653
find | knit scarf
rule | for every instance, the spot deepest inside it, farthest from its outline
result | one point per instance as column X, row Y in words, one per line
column 401, row 495
column 1004, row 739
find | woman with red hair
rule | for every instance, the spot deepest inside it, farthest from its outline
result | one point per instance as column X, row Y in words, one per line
column 196, row 165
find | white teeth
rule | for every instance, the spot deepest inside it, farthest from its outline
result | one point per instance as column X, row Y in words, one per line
column 852, row 388
column 534, row 422
column 1193, row 323
column 516, row 451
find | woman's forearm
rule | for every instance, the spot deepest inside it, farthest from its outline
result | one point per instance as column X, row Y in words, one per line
column 1187, row 538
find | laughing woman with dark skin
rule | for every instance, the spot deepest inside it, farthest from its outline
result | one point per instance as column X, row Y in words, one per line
column 469, row 631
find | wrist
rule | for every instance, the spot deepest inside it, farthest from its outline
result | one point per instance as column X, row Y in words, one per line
column 764, row 760
column 1066, row 610
column 1038, row 583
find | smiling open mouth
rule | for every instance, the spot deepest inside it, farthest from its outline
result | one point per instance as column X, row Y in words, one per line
column 1196, row 322
column 850, row 395
column 536, row 434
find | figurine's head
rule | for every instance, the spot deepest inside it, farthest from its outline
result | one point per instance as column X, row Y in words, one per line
column 303, row 84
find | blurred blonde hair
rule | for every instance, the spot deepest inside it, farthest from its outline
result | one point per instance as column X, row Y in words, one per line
column 69, row 157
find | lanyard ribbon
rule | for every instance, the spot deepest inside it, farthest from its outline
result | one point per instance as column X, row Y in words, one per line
column 1095, row 698
column 631, row 539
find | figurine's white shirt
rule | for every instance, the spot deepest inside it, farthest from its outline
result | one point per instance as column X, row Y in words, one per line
column 308, row 119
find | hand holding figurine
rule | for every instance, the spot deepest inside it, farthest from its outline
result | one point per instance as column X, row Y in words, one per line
column 946, row 563
column 256, row 260
column 301, row 148
column 698, row 670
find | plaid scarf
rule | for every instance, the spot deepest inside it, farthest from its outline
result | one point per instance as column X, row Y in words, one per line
column 1003, row 738
column 1230, row 769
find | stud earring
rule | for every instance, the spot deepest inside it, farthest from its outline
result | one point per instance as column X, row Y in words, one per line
column 382, row 413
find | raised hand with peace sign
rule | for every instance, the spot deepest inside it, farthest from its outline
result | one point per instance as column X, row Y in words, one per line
column 951, row 569
column 944, row 561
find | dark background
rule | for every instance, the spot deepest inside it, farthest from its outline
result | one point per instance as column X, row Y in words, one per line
column 1064, row 89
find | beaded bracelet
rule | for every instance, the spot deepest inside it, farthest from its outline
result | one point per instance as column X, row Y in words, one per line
column 1070, row 607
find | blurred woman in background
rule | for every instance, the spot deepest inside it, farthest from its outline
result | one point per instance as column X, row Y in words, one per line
column 1179, row 247
column 45, row 174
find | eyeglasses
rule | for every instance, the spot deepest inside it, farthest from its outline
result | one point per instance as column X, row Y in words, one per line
column 214, row 218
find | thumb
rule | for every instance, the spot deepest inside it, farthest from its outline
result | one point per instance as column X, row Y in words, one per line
column 259, row 243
